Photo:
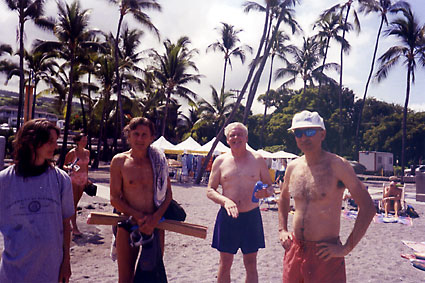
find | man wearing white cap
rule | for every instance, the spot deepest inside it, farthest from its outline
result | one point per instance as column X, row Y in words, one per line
column 316, row 181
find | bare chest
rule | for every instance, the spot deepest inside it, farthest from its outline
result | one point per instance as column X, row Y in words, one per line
column 138, row 174
column 239, row 172
column 312, row 184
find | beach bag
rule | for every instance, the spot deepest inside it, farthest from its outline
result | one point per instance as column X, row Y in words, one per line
column 90, row 189
column 175, row 212
column 410, row 211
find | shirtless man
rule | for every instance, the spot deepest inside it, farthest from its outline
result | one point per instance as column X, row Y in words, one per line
column 132, row 193
column 238, row 223
column 392, row 196
column 316, row 181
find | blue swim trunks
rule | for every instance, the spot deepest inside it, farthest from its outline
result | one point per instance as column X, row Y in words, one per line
column 245, row 232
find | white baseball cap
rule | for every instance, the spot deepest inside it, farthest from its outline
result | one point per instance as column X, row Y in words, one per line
column 307, row 119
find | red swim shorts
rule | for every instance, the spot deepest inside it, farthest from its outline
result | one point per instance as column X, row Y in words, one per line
column 301, row 264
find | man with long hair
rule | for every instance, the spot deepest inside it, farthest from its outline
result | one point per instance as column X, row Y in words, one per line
column 36, row 205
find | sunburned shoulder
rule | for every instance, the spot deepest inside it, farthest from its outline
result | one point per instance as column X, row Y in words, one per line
column 120, row 157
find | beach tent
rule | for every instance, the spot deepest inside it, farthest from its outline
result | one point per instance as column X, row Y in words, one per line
column 165, row 146
column 220, row 148
column 188, row 146
column 265, row 154
column 284, row 154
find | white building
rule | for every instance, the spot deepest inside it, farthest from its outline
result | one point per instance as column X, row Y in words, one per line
column 376, row 161
column 9, row 115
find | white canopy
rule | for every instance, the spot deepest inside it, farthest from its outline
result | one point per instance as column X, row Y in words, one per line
column 189, row 145
column 219, row 148
column 265, row 154
column 284, row 154
column 164, row 145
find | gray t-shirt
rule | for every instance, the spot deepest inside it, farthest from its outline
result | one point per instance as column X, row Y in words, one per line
column 32, row 211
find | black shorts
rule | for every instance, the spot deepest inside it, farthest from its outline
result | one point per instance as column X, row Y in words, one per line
column 244, row 232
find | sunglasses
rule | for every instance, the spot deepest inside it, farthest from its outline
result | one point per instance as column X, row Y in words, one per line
column 307, row 132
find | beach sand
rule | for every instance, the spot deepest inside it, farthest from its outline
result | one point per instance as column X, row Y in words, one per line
column 188, row 259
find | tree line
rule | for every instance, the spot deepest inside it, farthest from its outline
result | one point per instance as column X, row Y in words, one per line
column 114, row 81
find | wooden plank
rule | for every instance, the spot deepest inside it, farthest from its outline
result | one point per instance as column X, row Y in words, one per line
column 189, row 229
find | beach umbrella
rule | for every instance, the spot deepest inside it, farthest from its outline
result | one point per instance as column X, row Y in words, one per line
column 265, row 154
column 284, row 154
column 189, row 146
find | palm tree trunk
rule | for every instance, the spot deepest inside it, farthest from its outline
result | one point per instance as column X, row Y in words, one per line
column 340, row 128
column 323, row 63
column 254, row 85
column 68, row 112
column 266, row 104
column 21, row 64
column 118, row 81
column 83, row 113
column 224, row 74
column 367, row 85
column 237, row 103
column 89, row 114
column 164, row 121
column 404, row 126
column 33, row 100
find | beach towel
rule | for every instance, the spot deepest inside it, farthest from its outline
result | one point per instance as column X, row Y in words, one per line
column 418, row 257
column 405, row 220
column 349, row 214
column 160, row 174
column 418, row 247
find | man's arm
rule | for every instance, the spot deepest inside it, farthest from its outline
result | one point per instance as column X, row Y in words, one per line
column 283, row 210
column 65, row 269
column 265, row 178
column 116, row 187
column 367, row 211
column 148, row 223
column 214, row 195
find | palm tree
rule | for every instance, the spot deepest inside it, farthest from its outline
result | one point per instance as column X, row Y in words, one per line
column 279, row 11
column 216, row 111
column 72, row 31
column 329, row 26
column 136, row 8
column 383, row 7
column 411, row 50
column 278, row 49
column 26, row 9
column 344, row 7
column 227, row 45
column 306, row 65
column 171, row 71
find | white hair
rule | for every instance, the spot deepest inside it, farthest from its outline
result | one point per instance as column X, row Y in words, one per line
column 233, row 125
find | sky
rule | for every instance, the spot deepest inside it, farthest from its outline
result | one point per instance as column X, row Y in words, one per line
column 200, row 20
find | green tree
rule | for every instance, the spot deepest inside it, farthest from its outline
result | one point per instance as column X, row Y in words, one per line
column 73, row 33
column 135, row 8
column 383, row 7
column 277, row 12
column 306, row 65
column 411, row 50
column 172, row 68
column 26, row 10
column 227, row 45
column 216, row 111
column 329, row 27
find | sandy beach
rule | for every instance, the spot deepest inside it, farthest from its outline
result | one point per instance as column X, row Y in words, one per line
column 188, row 259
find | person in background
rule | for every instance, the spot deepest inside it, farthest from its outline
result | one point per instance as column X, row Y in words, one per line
column 77, row 163
column 36, row 205
column 392, row 197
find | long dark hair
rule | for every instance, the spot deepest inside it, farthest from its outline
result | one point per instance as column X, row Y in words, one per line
column 32, row 135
